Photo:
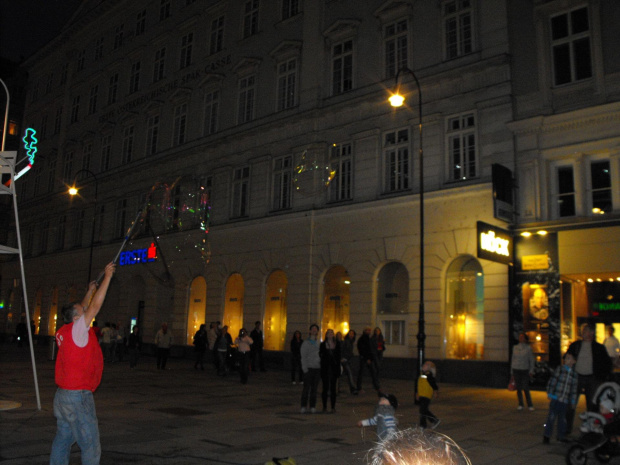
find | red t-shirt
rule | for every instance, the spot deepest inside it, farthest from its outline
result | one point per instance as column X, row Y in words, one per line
column 78, row 368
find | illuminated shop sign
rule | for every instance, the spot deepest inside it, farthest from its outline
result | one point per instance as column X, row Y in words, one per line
column 606, row 306
column 494, row 243
column 30, row 144
column 133, row 257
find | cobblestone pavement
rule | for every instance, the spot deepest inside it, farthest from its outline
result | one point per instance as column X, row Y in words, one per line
column 183, row 416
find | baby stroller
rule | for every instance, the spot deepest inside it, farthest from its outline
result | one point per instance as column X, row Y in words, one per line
column 600, row 433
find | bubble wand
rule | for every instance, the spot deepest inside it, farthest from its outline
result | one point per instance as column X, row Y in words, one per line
column 127, row 236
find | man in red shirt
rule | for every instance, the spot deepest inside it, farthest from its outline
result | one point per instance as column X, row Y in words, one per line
column 79, row 366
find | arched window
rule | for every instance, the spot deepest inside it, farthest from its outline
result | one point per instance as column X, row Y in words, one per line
column 196, row 307
column 336, row 302
column 275, row 311
column 36, row 316
column 233, row 306
column 464, row 317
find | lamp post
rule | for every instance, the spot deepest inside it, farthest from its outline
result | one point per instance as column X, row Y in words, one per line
column 397, row 100
column 73, row 191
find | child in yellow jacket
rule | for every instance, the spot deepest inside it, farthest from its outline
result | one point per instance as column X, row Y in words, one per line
column 427, row 389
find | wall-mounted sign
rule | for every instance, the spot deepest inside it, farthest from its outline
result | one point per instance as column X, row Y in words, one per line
column 133, row 257
column 606, row 306
column 535, row 262
column 494, row 243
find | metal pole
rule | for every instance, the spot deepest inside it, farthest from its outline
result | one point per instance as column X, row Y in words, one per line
column 421, row 321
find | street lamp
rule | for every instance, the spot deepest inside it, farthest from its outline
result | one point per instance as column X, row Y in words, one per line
column 73, row 190
column 397, row 100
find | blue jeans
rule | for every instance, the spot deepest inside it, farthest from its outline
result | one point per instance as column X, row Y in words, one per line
column 557, row 410
column 77, row 422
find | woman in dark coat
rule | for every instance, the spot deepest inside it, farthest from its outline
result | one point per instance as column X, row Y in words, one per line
column 296, row 358
column 329, row 351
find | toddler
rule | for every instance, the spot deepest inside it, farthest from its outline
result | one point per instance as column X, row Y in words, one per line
column 385, row 416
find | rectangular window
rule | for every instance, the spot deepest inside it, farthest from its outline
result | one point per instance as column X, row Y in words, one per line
column 282, row 182
column 250, row 18
column 342, row 67
column 127, row 153
column 246, row 99
column 78, row 229
column 141, row 22
column 212, row 104
column 120, row 219
column 63, row 73
column 600, row 182
column 134, row 77
column 44, row 126
column 81, row 60
column 87, row 153
column 113, row 89
column 58, row 121
column 396, row 40
column 458, row 30
column 216, row 43
column 38, row 174
column 159, row 64
column 186, row 50
column 92, row 101
column 461, row 133
column 106, row 152
column 50, row 83
column 164, row 10
column 60, row 232
column 566, row 204
column 396, row 159
column 287, row 84
column 241, row 192
column 570, row 44
column 289, row 8
column 99, row 217
column 67, row 169
column 28, row 249
column 75, row 109
column 118, row 36
column 99, row 49
column 180, row 124
column 43, row 238
column 340, row 162
column 152, row 134
column 394, row 332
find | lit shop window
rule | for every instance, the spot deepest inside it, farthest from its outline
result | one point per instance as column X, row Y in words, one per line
column 336, row 309
column 276, row 311
column 464, row 316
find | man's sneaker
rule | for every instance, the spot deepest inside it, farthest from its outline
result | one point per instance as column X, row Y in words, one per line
column 294, row 382
column 520, row 407
column 545, row 440
column 303, row 410
column 531, row 409
column 312, row 410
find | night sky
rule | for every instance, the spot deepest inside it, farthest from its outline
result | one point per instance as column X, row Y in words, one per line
column 27, row 25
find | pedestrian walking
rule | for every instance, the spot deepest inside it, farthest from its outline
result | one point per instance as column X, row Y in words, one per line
column 200, row 346
column 296, row 358
column 427, row 390
column 311, row 365
column 329, row 352
column 163, row 341
column 244, row 346
column 522, row 368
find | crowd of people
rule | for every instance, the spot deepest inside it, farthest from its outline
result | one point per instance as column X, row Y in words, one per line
column 586, row 365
